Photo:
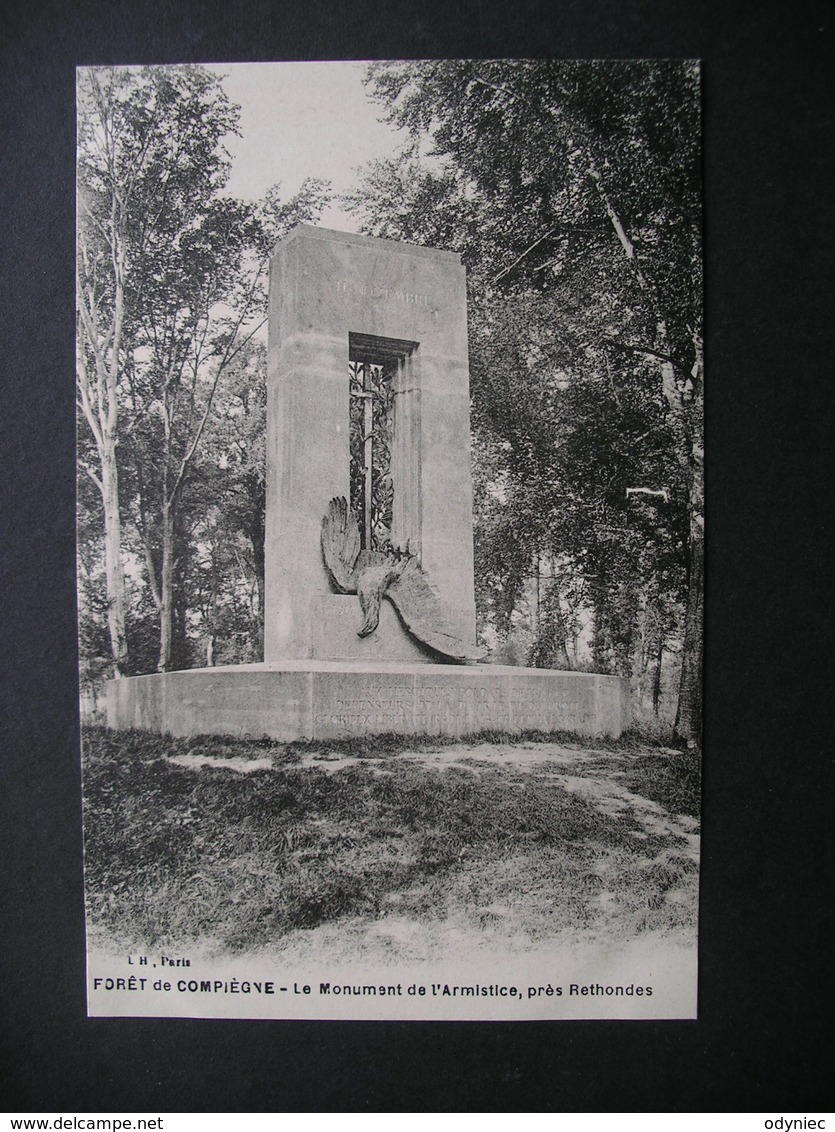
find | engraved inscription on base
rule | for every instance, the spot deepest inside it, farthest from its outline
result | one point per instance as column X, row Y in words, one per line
column 377, row 707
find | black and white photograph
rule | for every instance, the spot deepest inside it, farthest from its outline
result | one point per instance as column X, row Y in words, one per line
column 232, row 800
column 391, row 538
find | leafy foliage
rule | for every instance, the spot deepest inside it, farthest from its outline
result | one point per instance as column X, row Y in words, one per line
column 171, row 293
column 572, row 192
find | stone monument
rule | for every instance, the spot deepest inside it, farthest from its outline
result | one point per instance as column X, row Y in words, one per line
column 369, row 541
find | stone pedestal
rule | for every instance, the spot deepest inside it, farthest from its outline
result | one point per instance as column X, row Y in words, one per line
column 333, row 700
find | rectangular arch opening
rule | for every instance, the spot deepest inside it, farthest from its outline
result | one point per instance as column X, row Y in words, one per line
column 384, row 432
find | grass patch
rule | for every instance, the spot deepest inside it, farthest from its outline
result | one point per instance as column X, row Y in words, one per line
column 673, row 779
column 174, row 855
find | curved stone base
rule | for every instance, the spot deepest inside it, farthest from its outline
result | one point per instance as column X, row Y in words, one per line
column 327, row 700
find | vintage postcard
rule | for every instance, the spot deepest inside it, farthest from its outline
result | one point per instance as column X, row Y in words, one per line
column 390, row 538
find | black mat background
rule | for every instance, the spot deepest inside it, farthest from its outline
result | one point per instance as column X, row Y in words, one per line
column 763, row 1038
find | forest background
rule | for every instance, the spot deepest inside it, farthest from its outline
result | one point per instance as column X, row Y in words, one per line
column 572, row 191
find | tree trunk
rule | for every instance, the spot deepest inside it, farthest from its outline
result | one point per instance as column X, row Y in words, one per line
column 640, row 667
column 166, row 590
column 656, row 677
column 99, row 402
column 259, row 579
column 537, row 620
column 113, row 560
column 688, row 724
column 255, row 533
column 210, row 646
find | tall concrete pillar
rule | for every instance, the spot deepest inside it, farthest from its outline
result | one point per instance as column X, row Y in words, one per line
column 332, row 296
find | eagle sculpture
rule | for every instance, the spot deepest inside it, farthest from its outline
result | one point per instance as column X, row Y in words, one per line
column 395, row 574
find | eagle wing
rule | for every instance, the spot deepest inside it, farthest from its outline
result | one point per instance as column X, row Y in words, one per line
column 423, row 615
column 341, row 545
